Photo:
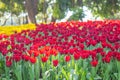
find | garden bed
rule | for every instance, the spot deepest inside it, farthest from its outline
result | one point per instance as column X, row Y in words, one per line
column 62, row 51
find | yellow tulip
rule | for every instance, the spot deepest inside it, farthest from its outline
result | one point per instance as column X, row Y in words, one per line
column 8, row 30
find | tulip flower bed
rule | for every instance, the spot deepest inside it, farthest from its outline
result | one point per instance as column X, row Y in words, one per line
column 8, row 30
column 63, row 51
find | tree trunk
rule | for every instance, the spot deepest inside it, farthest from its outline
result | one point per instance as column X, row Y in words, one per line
column 4, row 22
column 80, row 3
column 31, row 8
column 11, row 19
column 53, row 19
column 26, row 22
column 19, row 21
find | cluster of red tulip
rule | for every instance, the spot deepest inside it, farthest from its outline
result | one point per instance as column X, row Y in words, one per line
column 72, row 39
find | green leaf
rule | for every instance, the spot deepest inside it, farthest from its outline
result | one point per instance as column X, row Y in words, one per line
column 47, row 73
column 116, row 75
column 97, row 78
column 65, row 74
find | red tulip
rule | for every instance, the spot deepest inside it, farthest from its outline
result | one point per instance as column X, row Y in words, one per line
column 16, row 57
column 55, row 62
column 118, row 56
column 36, row 53
column 93, row 42
column 32, row 60
column 85, row 54
column 4, row 51
column 44, row 59
column 25, row 57
column 104, row 44
column 67, row 58
column 102, row 54
column 106, row 59
column 76, row 56
column 94, row 63
column 8, row 63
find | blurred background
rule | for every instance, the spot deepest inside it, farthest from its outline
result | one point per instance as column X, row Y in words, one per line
column 17, row 12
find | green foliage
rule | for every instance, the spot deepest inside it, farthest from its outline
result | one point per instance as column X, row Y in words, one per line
column 77, row 14
column 103, row 8
column 2, row 7
column 57, row 13
column 43, row 5
column 12, row 6
column 2, row 67
column 65, row 5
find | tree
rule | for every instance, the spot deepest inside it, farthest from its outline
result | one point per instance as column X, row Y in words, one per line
column 18, row 6
column 103, row 8
column 14, row 7
column 31, row 8
column 77, row 14
column 58, row 9
column 42, row 9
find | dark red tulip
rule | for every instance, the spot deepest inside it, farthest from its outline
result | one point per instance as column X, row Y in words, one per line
column 67, row 58
column 44, row 59
column 33, row 60
column 94, row 63
column 55, row 62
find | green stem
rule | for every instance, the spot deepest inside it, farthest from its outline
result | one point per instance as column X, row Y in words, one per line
column 17, row 71
column 118, row 68
column 93, row 71
column 107, row 71
column 7, row 73
column 31, row 72
column 37, row 69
